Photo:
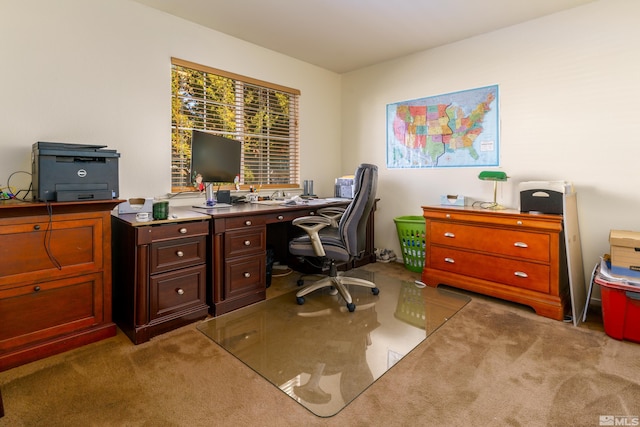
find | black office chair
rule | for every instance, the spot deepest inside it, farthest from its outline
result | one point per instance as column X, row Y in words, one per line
column 342, row 244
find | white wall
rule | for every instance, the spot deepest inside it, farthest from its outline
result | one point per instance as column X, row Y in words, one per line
column 98, row 72
column 569, row 108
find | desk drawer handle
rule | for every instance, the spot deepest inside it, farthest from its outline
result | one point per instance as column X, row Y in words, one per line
column 247, row 242
column 449, row 234
column 520, row 245
column 247, row 275
column 180, row 254
column 521, row 274
column 449, row 260
column 36, row 227
column 36, row 288
column 183, row 230
column 280, row 217
column 247, row 222
column 180, row 291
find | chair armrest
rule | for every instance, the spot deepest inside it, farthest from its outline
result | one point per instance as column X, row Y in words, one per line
column 334, row 214
column 312, row 225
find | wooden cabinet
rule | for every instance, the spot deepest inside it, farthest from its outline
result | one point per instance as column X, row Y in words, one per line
column 515, row 256
column 160, row 273
column 239, row 262
column 55, row 283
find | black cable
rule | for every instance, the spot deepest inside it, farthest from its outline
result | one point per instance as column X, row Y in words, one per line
column 9, row 185
column 47, row 238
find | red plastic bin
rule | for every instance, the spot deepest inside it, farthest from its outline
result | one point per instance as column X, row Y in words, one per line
column 620, row 309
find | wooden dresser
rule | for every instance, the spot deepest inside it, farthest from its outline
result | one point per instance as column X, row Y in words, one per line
column 55, row 280
column 506, row 254
column 159, row 273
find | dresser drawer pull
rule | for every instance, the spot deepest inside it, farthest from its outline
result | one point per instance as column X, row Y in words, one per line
column 36, row 227
column 280, row 217
column 180, row 254
column 247, row 275
column 180, row 291
column 519, row 222
column 521, row 274
column 36, row 289
column 183, row 230
column 247, row 222
column 247, row 242
column 520, row 245
column 449, row 260
column 449, row 234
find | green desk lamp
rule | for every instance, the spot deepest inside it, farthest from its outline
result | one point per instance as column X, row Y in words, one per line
column 494, row 176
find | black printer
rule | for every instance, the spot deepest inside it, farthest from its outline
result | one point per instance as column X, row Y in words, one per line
column 65, row 172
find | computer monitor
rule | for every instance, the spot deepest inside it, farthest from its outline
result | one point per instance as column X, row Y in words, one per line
column 215, row 158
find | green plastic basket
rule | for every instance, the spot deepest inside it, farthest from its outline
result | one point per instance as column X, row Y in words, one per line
column 411, row 234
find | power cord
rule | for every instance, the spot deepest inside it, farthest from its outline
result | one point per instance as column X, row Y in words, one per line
column 47, row 238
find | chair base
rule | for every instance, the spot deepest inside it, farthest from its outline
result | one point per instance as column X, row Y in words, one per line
column 338, row 282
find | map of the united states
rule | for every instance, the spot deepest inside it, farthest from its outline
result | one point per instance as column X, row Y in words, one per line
column 458, row 129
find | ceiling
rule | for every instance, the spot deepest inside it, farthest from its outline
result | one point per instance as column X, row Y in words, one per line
column 345, row 35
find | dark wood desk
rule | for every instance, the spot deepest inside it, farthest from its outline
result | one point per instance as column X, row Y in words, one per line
column 202, row 261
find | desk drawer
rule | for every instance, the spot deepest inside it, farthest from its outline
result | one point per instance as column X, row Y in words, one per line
column 515, row 243
column 521, row 274
column 245, row 222
column 245, row 242
column 177, row 291
column 178, row 253
column 163, row 232
column 245, row 275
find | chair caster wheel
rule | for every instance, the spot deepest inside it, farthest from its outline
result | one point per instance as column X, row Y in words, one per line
column 375, row 291
column 300, row 282
column 300, row 300
column 351, row 307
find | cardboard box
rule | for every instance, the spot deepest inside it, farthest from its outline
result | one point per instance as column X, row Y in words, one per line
column 620, row 309
column 452, row 200
column 625, row 252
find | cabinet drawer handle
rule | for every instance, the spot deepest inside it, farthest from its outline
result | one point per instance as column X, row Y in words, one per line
column 180, row 254
column 519, row 222
column 521, row 274
column 247, row 275
column 449, row 234
column 180, row 291
column 247, row 222
column 280, row 217
column 36, row 288
column 449, row 260
column 520, row 245
column 247, row 242
column 183, row 231
column 36, row 227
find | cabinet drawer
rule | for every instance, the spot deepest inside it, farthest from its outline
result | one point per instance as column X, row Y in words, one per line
column 49, row 309
column 245, row 222
column 172, row 254
column 163, row 232
column 245, row 274
column 521, row 244
column 176, row 291
column 32, row 251
column 521, row 274
column 244, row 242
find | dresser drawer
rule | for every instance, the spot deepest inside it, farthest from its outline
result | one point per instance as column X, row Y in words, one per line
column 515, row 243
column 244, row 275
column 245, row 242
column 521, row 274
column 48, row 309
column 172, row 254
column 158, row 233
column 177, row 291
column 32, row 251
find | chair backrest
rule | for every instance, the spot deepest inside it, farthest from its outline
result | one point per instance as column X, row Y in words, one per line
column 353, row 224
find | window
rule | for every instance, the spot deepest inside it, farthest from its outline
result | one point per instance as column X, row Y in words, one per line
column 261, row 115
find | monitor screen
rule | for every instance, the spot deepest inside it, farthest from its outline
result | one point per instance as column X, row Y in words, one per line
column 215, row 158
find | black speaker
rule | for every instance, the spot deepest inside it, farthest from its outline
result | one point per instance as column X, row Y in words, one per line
column 223, row 196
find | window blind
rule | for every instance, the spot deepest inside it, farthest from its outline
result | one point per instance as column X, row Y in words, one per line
column 261, row 115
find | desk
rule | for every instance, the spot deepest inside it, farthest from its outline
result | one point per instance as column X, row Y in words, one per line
column 202, row 261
